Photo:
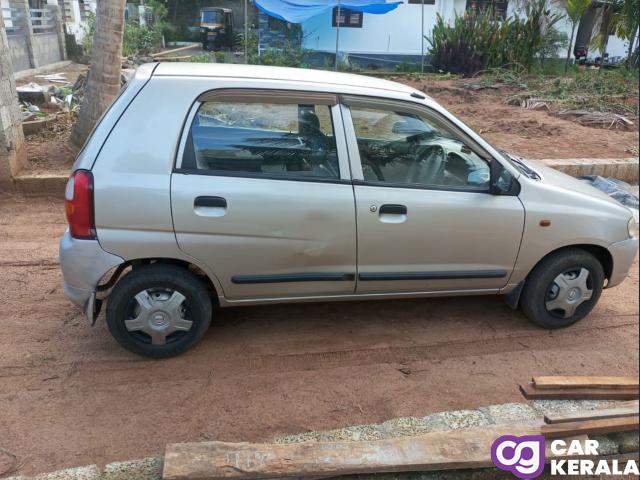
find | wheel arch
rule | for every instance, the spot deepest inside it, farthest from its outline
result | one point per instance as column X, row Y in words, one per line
column 598, row 251
column 113, row 276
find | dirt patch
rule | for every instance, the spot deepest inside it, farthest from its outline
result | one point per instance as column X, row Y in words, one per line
column 69, row 395
column 49, row 150
column 70, row 72
column 530, row 133
column 525, row 128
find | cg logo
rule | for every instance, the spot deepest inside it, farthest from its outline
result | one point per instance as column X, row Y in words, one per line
column 522, row 456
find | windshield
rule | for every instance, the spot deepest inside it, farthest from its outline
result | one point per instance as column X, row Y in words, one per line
column 211, row 16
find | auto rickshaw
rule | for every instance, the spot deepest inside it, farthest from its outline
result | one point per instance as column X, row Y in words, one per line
column 216, row 28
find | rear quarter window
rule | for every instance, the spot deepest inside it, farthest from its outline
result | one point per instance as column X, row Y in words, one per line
column 262, row 139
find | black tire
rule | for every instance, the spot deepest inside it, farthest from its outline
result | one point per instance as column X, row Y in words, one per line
column 157, row 277
column 541, row 280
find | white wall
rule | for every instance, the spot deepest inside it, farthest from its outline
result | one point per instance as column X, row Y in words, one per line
column 398, row 32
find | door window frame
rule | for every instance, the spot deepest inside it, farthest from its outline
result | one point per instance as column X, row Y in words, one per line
column 347, row 101
column 273, row 96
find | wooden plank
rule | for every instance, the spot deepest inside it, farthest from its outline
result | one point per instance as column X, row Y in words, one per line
column 607, row 425
column 465, row 448
column 545, row 382
column 532, row 393
column 175, row 50
column 602, row 413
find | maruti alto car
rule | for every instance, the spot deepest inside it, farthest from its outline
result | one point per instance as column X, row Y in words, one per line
column 219, row 185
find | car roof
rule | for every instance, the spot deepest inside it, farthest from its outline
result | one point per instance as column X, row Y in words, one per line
column 187, row 69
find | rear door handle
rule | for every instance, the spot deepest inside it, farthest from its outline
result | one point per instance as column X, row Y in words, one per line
column 393, row 209
column 210, row 202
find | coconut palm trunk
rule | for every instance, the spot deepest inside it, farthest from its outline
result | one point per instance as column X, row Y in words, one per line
column 103, row 83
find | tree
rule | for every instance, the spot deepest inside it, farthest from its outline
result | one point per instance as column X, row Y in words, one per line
column 625, row 24
column 103, row 83
column 13, row 152
column 575, row 10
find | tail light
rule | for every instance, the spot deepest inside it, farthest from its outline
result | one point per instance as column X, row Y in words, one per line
column 79, row 205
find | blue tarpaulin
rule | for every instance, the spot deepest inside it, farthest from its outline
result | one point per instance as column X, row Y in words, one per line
column 298, row 11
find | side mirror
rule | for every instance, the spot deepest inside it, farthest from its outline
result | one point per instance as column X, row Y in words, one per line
column 501, row 181
column 404, row 127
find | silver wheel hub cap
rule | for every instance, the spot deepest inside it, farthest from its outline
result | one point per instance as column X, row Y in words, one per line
column 159, row 314
column 568, row 291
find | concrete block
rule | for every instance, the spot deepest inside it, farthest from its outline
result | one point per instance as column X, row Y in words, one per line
column 89, row 472
column 510, row 413
column 626, row 169
column 628, row 442
column 606, row 446
column 41, row 184
column 464, row 419
column 566, row 406
column 144, row 469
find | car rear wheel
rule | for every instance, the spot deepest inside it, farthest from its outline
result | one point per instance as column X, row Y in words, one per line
column 563, row 288
column 159, row 310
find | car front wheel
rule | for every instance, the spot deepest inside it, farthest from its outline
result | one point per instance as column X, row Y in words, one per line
column 563, row 288
column 159, row 310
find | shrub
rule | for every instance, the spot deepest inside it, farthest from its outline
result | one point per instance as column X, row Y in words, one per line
column 88, row 30
column 140, row 39
column 477, row 41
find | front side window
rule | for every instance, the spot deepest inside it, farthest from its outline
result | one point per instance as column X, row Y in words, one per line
column 263, row 139
column 403, row 148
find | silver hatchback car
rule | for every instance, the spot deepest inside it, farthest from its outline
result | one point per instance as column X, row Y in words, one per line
column 233, row 185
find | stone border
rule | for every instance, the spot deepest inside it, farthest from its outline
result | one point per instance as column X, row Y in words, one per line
column 613, row 444
column 625, row 169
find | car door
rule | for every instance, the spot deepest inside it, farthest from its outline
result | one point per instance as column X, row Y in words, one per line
column 262, row 194
column 426, row 220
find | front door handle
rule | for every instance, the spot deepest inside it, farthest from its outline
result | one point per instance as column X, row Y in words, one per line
column 210, row 202
column 393, row 209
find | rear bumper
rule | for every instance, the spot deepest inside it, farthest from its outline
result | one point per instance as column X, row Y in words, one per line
column 623, row 254
column 83, row 264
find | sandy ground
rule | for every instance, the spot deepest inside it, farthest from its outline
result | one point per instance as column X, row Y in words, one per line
column 529, row 133
column 69, row 395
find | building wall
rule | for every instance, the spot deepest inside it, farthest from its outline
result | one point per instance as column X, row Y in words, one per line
column 268, row 37
column 19, row 52
column 47, row 44
column 46, row 48
column 398, row 32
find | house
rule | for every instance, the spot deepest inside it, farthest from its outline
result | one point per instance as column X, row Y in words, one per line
column 395, row 37
column 35, row 34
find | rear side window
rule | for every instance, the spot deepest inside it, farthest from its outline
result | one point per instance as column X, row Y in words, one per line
column 262, row 139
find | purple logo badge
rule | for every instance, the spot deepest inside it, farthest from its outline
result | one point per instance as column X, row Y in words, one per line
column 522, row 456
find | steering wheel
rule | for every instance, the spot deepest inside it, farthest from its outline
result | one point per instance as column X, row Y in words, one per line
column 430, row 168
